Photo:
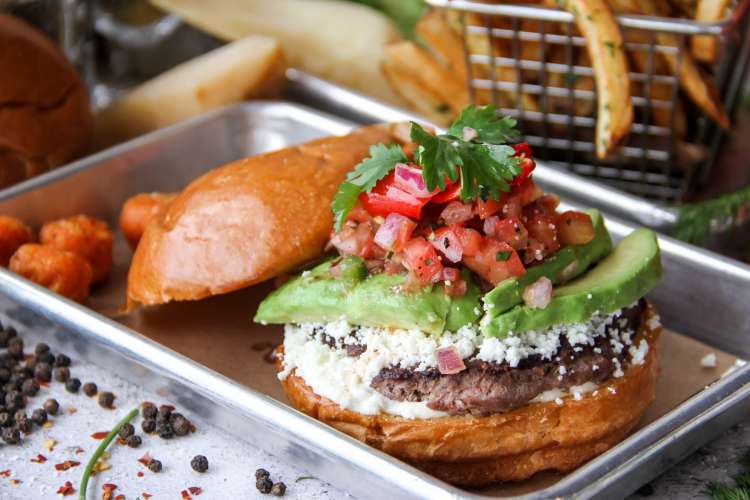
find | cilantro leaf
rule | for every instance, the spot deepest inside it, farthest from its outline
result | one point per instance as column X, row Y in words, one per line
column 491, row 127
column 486, row 170
column 437, row 155
column 363, row 178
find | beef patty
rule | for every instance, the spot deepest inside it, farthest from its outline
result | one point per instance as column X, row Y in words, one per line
column 484, row 388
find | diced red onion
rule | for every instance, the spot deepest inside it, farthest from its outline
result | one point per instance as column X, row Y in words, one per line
column 410, row 180
column 538, row 294
column 456, row 213
column 449, row 360
column 490, row 223
column 447, row 243
column 394, row 227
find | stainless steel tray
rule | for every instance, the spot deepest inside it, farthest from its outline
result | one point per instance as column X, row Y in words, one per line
column 703, row 296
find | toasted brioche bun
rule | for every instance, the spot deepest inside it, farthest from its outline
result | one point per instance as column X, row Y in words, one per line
column 474, row 451
column 45, row 119
column 247, row 221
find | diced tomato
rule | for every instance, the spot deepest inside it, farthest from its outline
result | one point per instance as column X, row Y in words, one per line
column 446, row 242
column 509, row 230
column 534, row 251
column 574, row 228
column 512, row 207
column 523, row 151
column 393, row 265
column 358, row 214
column 496, row 261
column 394, row 232
column 527, row 192
column 452, row 191
column 454, row 284
column 543, row 229
column 456, row 213
column 470, row 239
column 487, row 208
column 422, row 261
column 393, row 200
column 357, row 240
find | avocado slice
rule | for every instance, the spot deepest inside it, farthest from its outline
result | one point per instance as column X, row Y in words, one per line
column 565, row 265
column 376, row 301
column 626, row 275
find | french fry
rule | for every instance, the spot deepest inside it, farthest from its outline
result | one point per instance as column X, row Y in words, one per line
column 684, row 8
column 596, row 22
column 434, row 29
column 695, row 83
column 706, row 48
column 431, row 88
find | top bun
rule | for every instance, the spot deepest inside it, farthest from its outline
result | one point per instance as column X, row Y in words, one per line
column 45, row 118
column 247, row 221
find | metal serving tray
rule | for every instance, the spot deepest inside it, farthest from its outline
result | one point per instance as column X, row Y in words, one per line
column 704, row 296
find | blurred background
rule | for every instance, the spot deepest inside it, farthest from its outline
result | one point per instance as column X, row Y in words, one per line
column 684, row 150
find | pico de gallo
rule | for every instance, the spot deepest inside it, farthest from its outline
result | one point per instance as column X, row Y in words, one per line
column 403, row 225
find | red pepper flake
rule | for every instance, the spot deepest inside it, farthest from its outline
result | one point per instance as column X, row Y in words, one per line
column 5, row 473
column 15, row 482
column 167, row 407
column 140, row 473
column 66, row 489
column 100, row 435
column 71, row 410
column 66, row 465
column 120, row 497
column 109, row 489
column 185, row 495
column 39, row 459
column 42, row 383
column 145, row 459
column 195, row 490
column 78, row 450
column 146, row 496
column 121, row 441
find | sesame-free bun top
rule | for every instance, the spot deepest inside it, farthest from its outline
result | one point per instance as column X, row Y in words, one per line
column 247, row 221
column 45, row 118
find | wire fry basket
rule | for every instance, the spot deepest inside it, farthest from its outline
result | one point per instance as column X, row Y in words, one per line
column 532, row 63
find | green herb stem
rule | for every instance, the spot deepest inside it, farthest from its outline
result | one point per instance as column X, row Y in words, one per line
column 100, row 451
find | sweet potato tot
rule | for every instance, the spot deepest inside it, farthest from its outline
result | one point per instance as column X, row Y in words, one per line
column 61, row 271
column 85, row 236
column 138, row 211
column 13, row 234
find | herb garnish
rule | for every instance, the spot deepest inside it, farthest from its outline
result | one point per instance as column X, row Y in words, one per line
column 485, row 163
column 502, row 256
column 100, row 450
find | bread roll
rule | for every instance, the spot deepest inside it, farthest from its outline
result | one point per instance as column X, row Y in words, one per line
column 247, row 221
column 475, row 451
column 45, row 119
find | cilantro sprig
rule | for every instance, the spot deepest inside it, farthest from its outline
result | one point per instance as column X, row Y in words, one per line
column 485, row 163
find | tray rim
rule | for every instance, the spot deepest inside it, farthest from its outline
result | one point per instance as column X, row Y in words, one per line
column 140, row 349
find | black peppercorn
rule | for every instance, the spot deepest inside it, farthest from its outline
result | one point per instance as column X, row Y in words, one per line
column 261, row 473
column 4, row 337
column 72, row 385
column 278, row 489
column 62, row 374
column 15, row 347
column 11, row 435
column 264, row 485
column 148, row 425
column 164, row 429
column 164, row 413
column 40, row 348
column 43, row 372
column 90, row 389
column 154, row 465
column 62, row 360
column 14, row 399
column 30, row 387
column 4, row 375
column 23, row 423
column 134, row 441
column 6, row 360
column 51, row 406
column 22, row 370
column 17, row 378
column 10, row 387
column 180, row 424
column 126, row 431
column 199, row 463
column 106, row 399
column 46, row 357
column 149, row 410
column 39, row 416
column 5, row 419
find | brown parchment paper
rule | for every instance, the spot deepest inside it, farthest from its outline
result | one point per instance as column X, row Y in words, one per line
column 218, row 333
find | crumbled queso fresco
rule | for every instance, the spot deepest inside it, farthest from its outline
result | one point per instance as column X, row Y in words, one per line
column 318, row 353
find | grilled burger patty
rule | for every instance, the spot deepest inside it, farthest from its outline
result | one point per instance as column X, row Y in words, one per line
column 484, row 388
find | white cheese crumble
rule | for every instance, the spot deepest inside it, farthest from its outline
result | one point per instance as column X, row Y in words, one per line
column 709, row 360
column 638, row 354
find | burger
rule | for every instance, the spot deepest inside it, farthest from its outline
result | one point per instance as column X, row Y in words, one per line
column 463, row 322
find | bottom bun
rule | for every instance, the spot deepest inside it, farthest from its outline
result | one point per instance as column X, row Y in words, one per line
column 474, row 450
